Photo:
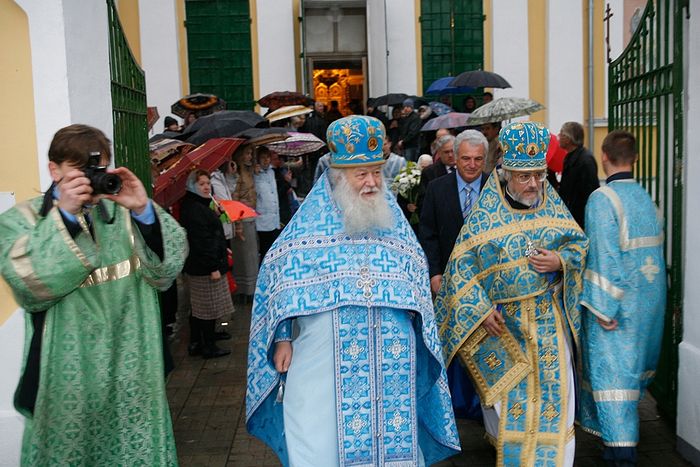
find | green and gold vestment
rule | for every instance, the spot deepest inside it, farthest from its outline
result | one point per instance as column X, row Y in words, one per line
column 100, row 398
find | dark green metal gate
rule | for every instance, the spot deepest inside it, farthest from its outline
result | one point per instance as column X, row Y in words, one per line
column 128, row 103
column 646, row 98
column 452, row 37
column 219, row 50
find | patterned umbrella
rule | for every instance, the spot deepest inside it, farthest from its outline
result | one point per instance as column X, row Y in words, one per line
column 170, row 185
column 200, row 104
column 262, row 136
column 287, row 111
column 480, row 79
column 275, row 100
column 297, row 144
column 449, row 120
column 504, row 108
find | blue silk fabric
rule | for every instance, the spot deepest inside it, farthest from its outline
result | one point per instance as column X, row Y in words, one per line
column 364, row 280
column 625, row 280
column 488, row 268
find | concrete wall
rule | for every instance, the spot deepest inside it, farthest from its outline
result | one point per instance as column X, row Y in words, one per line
column 160, row 59
column 376, row 49
column 276, row 57
column 688, row 423
column 565, row 71
column 403, row 63
column 510, row 45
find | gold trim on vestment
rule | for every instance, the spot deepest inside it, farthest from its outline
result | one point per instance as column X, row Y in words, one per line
column 61, row 227
column 27, row 210
column 113, row 272
column 22, row 264
column 509, row 380
column 605, row 284
column 519, row 226
column 626, row 243
column 616, row 395
column 531, row 436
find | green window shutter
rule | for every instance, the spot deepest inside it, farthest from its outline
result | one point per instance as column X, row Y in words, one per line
column 219, row 50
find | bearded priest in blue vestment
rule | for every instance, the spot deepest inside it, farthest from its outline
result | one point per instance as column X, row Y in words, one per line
column 508, row 305
column 624, row 299
column 344, row 361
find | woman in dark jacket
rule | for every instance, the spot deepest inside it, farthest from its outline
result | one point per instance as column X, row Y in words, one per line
column 205, row 267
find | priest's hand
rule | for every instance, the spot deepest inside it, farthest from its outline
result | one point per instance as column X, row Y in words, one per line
column 435, row 283
column 608, row 325
column 493, row 323
column 283, row 356
column 132, row 195
column 546, row 261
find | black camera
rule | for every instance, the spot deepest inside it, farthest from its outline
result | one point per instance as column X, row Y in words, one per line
column 100, row 180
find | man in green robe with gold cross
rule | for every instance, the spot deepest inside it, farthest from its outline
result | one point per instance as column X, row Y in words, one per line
column 86, row 266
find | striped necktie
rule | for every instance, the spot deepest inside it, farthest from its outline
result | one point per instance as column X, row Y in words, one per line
column 467, row 201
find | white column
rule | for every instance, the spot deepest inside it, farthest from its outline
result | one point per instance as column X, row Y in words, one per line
column 565, row 71
column 276, row 57
column 510, row 47
column 71, row 81
column 11, row 422
column 688, row 424
column 160, row 56
column 376, row 48
column 401, row 32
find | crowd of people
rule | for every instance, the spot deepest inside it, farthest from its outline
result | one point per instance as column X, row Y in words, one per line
column 512, row 299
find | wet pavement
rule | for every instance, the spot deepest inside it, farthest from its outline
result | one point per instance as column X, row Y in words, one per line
column 207, row 403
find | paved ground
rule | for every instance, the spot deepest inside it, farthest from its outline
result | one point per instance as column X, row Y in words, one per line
column 207, row 403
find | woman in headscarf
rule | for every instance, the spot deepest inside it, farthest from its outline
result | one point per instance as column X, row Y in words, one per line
column 245, row 244
column 205, row 267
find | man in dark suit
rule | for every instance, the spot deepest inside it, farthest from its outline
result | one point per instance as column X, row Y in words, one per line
column 448, row 200
column 442, row 149
column 579, row 177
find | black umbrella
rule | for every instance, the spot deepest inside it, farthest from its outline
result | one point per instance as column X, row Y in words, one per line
column 222, row 124
column 167, row 135
column 480, row 79
column 390, row 99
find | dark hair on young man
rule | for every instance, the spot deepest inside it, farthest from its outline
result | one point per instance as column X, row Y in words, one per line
column 621, row 147
column 74, row 144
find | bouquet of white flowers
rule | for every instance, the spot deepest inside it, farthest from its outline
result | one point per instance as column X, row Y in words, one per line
column 406, row 184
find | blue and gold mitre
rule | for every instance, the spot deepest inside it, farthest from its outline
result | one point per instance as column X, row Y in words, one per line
column 355, row 141
column 524, row 146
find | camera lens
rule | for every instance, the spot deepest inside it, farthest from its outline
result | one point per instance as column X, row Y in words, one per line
column 104, row 183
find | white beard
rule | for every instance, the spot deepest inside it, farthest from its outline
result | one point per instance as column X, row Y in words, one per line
column 362, row 214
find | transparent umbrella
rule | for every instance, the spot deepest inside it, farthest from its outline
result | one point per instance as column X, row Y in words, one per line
column 504, row 108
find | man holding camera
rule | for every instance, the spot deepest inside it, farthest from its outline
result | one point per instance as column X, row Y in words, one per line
column 85, row 262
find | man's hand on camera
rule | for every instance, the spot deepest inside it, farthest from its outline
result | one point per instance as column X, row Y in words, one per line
column 74, row 191
column 132, row 195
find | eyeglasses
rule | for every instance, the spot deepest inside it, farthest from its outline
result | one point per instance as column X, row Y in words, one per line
column 526, row 177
